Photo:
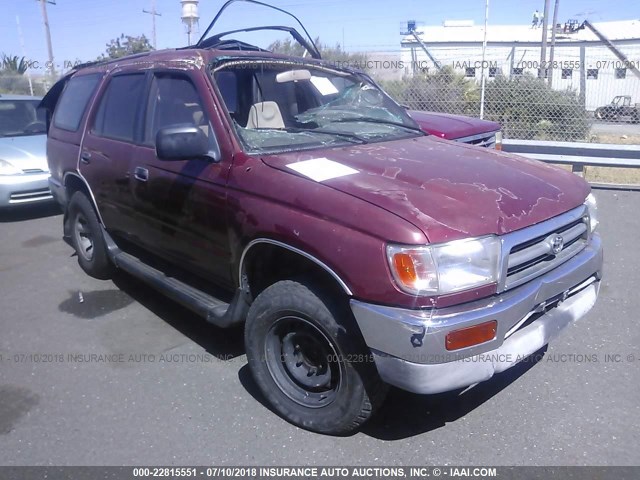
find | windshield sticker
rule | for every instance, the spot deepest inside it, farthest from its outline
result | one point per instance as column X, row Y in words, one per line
column 321, row 169
column 323, row 85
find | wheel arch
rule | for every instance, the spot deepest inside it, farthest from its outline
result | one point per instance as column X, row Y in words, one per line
column 74, row 182
column 265, row 260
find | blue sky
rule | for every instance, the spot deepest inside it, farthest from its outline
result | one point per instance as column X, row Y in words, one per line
column 81, row 28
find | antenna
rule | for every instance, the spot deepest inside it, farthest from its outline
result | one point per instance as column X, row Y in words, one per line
column 154, row 13
column 190, row 17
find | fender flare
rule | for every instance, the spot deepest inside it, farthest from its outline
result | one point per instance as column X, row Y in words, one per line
column 92, row 198
column 308, row 256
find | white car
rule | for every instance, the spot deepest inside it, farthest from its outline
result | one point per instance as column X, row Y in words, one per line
column 24, row 172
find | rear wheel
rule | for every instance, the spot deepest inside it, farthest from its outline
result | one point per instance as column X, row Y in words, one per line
column 87, row 238
column 309, row 360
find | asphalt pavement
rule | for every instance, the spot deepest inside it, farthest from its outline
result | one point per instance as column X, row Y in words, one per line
column 109, row 373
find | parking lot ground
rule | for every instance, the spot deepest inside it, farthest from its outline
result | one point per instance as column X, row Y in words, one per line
column 110, row 373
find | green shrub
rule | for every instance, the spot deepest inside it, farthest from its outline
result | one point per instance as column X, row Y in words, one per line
column 528, row 108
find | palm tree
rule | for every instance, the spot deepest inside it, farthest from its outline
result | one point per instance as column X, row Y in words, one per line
column 14, row 64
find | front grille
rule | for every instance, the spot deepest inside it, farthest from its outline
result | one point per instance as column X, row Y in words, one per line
column 26, row 196
column 531, row 257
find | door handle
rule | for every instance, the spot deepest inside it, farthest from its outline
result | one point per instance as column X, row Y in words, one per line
column 85, row 158
column 141, row 174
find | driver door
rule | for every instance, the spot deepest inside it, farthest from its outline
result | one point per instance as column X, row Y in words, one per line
column 181, row 203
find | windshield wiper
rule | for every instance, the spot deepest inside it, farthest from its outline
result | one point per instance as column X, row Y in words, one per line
column 378, row 120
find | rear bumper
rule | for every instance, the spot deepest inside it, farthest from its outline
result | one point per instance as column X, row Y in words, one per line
column 26, row 188
column 409, row 345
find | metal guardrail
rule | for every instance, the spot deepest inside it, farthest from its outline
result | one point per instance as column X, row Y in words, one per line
column 579, row 155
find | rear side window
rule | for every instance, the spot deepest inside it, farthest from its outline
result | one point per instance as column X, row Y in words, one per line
column 73, row 103
column 119, row 107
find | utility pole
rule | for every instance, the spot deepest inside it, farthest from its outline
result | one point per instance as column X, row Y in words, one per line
column 553, row 40
column 543, row 50
column 484, row 50
column 45, row 18
column 153, row 14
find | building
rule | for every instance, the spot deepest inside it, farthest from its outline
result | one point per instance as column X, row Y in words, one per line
column 582, row 61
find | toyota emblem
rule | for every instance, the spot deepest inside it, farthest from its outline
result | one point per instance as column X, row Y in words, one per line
column 557, row 242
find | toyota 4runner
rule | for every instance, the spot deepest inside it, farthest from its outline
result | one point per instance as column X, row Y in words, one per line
column 298, row 199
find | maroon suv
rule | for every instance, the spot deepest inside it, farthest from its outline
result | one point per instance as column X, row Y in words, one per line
column 299, row 199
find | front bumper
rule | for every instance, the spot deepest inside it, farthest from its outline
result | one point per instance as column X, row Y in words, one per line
column 409, row 345
column 25, row 188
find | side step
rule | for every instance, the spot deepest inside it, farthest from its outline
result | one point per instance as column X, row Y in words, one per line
column 215, row 311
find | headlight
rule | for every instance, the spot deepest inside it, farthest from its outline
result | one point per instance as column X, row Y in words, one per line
column 592, row 208
column 447, row 267
column 7, row 168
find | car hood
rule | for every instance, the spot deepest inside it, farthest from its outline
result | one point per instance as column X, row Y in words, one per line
column 27, row 153
column 449, row 191
column 450, row 126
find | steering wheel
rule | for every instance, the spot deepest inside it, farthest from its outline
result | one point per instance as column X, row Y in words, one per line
column 35, row 127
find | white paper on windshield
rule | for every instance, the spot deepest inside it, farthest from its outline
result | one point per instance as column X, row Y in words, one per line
column 321, row 169
column 324, row 85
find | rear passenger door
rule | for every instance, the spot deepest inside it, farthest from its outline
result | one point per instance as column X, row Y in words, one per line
column 116, row 125
column 180, row 204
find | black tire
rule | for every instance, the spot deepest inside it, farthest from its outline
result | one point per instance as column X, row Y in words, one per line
column 599, row 114
column 87, row 238
column 329, row 384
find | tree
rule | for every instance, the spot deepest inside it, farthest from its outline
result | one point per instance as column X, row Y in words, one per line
column 12, row 76
column 334, row 54
column 126, row 45
column 13, row 65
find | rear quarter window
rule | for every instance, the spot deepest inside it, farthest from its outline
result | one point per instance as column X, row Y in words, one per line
column 72, row 105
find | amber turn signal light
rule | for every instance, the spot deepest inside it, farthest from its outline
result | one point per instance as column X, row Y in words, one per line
column 469, row 336
column 405, row 269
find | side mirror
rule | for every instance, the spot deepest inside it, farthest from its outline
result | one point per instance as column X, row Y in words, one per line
column 182, row 143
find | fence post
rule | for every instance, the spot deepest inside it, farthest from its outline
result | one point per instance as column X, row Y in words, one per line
column 583, row 77
column 513, row 56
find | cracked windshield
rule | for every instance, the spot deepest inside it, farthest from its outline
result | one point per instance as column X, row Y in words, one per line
column 277, row 107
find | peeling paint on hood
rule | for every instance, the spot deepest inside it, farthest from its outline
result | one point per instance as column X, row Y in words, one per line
column 450, row 191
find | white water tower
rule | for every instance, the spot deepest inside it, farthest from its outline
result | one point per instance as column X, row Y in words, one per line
column 190, row 17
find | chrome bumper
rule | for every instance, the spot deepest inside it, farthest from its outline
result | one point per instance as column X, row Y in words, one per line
column 409, row 345
column 26, row 188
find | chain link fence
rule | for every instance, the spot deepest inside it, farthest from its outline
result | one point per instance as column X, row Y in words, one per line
column 527, row 106
column 517, row 94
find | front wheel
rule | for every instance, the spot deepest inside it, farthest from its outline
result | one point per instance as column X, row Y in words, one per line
column 309, row 361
